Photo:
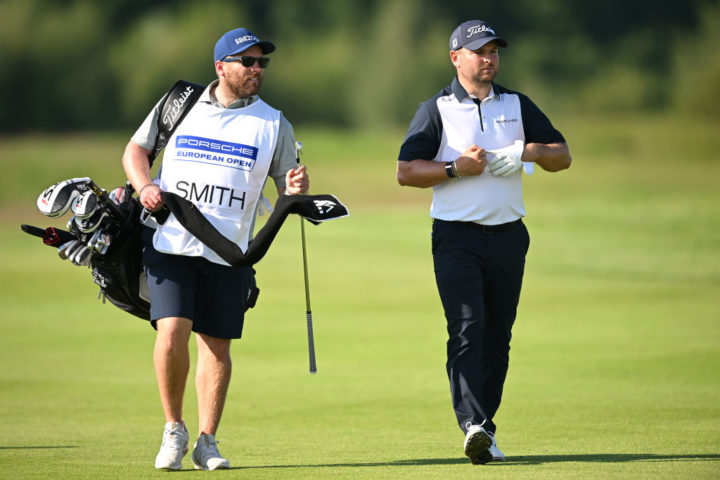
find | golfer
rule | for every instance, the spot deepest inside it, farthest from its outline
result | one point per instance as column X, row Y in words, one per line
column 469, row 143
column 219, row 158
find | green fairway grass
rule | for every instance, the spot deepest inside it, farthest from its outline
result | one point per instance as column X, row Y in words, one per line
column 615, row 361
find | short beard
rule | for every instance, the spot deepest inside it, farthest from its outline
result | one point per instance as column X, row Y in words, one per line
column 482, row 79
column 245, row 92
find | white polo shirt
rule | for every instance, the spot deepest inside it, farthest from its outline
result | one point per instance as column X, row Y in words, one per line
column 450, row 122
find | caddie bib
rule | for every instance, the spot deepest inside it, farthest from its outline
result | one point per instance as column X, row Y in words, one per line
column 218, row 159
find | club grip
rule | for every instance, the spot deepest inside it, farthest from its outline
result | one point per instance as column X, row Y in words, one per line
column 36, row 231
column 311, row 343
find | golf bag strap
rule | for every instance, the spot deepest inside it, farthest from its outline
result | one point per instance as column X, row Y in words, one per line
column 315, row 208
column 177, row 103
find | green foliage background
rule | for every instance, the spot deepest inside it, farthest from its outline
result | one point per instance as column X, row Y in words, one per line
column 89, row 64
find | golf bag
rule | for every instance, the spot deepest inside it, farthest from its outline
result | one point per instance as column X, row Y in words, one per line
column 106, row 237
column 119, row 271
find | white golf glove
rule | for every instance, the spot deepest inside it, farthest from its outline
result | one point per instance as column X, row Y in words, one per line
column 503, row 162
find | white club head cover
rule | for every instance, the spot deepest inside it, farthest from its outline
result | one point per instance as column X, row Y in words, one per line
column 504, row 162
column 55, row 200
column 85, row 205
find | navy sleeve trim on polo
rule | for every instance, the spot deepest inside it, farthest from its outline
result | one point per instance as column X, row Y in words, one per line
column 536, row 125
column 425, row 132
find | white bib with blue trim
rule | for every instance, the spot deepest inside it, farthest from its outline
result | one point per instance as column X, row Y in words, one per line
column 218, row 158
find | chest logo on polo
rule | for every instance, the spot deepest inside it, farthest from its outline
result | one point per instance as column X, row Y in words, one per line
column 215, row 152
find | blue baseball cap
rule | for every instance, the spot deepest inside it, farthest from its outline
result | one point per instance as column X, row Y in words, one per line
column 473, row 34
column 238, row 40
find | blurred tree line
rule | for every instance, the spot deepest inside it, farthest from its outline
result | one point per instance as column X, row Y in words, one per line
column 94, row 64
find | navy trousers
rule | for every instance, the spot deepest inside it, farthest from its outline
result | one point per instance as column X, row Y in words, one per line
column 479, row 271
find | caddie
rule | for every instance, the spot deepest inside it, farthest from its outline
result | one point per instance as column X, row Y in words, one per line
column 469, row 143
column 219, row 158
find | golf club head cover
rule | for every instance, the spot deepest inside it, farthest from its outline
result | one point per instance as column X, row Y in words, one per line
column 317, row 208
column 55, row 237
column 55, row 200
column 314, row 208
column 85, row 204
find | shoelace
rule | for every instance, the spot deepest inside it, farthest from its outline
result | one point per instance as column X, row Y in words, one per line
column 210, row 450
column 173, row 438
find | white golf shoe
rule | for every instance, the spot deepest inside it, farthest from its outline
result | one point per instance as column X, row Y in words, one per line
column 497, row 455
column 477, row 445
column 174, row 446
column 205, row 454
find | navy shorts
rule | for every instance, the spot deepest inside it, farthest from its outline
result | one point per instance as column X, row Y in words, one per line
column 215, row 297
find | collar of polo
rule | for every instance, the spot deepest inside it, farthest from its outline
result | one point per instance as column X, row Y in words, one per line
column 460, row 92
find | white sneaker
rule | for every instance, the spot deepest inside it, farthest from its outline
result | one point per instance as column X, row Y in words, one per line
column 477, row 445
column 497, row 455
column 174, row 446
column 205, row 454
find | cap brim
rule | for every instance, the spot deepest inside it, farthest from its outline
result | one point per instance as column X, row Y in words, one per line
column 480, row 42
column 266, row 48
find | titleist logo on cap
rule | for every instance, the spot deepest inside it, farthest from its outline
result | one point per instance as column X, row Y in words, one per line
column 474, row 30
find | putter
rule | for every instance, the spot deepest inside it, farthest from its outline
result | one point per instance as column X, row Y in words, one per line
column 308, row 310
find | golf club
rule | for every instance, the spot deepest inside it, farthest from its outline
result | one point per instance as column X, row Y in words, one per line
column 66, row 249
column 308, row 310
column 80, row 256
column 99, row 242
column 55, row 200
column 89, row 225
column 105, row 200
column 85, row 205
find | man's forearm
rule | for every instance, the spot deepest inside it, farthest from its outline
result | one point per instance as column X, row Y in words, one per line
column 136, row 165
column 551, row 157
column 420, row 173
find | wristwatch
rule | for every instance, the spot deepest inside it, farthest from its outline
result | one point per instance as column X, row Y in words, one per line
column 449, row 169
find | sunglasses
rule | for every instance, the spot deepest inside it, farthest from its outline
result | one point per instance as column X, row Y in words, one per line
column 248, row 61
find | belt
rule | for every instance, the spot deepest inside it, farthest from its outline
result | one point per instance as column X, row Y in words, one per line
column 498, row 228
column 485, row 228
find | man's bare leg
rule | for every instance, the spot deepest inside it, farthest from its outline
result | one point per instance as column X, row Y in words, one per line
column 172, row 364
column 212, row 379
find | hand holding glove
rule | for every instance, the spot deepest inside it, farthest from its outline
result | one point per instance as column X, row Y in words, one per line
column 503, row 162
